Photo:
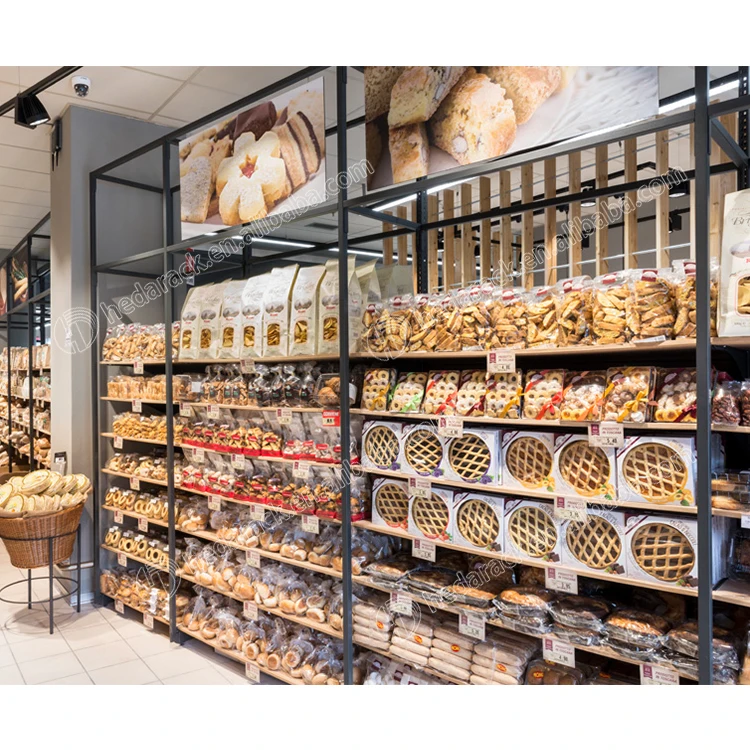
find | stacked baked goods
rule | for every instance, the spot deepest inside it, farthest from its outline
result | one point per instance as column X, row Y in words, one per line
column 143, row 593
column 43, row 492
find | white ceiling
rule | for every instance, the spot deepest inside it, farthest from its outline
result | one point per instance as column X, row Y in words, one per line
column 175, row 96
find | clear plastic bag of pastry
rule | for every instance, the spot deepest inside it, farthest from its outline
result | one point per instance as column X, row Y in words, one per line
column 629, row 394
column 294, row 435
column 503, row 395
column 525, row 601
column 676, row 395
column 541, row 318
column 636, row 628
column 377, row 387
column 508, row 319
column 725, row 403
column 739, row 555
column 576, row 636
column 543, row 394
column 654, row 309
column 574, row 310
column 408, row 393
column 684, row 640
column 527, row 624
column 441, row 391
column 472, row 303
column 541, row 672
column 613, row 316
column 583, row 396
column 583, row 612
column 328, row 391
column 427, row 322
column 685, row 298
column 471, row 393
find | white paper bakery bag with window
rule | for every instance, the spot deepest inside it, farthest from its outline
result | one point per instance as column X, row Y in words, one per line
column 276, row 304
column 211, row 321
column 230, row 345
column 330, row 310
column 252, row 316
column 734, row 289
column 304, row 324
column 190, row 322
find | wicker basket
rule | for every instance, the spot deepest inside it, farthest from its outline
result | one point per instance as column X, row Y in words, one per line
column 27, row 538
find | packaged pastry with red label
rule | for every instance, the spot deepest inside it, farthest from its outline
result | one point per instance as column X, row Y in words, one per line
column 629, row 394
column 583, row 396
column 543, row 394
column 440, row 393
column 471, row 393
column 503, row 397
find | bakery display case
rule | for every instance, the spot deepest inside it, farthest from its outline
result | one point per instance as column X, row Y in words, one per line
column 490, row 466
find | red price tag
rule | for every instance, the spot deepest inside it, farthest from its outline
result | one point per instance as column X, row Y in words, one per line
column 331, row 418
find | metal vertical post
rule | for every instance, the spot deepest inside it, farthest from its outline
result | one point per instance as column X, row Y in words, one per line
column 742, row 130
column 702, row 144
column 420, row 243
column 346, row 518
column 30, row 344
column 168, row 299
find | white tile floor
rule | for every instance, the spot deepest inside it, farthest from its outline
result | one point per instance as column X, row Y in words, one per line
column 97, row 646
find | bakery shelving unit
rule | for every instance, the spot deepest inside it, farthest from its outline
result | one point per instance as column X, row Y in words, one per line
column 25, row 318
column 441, row 241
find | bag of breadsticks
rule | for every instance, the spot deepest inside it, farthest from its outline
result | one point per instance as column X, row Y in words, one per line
column 613, row 317
column 574, row 300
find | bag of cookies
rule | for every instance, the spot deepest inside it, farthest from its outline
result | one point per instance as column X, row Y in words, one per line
column 685, row 298
column 629, row 394
column 677, row 395
column 725, row 403
column 230, row 346
column 471, row 393
column 543, row 394
column 583, row 396
column 441, row 391
column 475, row 317
column 508, row 319
column 574, row 300
column 276, row 304
column 503, row 395
column 653, row 302
column 734, row 312
column 541, row 318
column 252, row 316
column 613, row 318
column 190, row 322
column 305, row 310
column 329, row 309
column 408, row 393
column 210, row 321
column 377, row 388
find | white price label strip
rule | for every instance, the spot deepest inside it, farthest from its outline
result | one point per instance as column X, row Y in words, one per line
column 238, row 461
column 148, row 620
column 185, row 409
column 137, row 405
column 257, row 512
column 501, row 360
column 652, row 674
column 420, row 487
column 471, row 625
column 401, row 603
column 745, row 521
column 252, row 673
column 606, row 435
column 558, row 652
column 250, row 610
column 253, row 558
column 143, row 525
column 451, row 427
column 571, row 509
column 423, row 549
column 119, row 517
column 122, row 561
column 119, row 607
column 213, row 411
column 199, row 455
column 138, row 367
column 561, row 580
column 301, row 469
column 311, row 524
column 247, row 366
column 118, row 441
column 135, row 483
column 214, row 502
column 284, row 415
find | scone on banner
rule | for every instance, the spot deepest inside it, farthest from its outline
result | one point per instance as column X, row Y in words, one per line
column 584, row 470
column 657, row 470
column 381, row 445
column 531, row 531
column 422, row 450
column 432, row 517
column 473, row 457
column 390, row 503
column 528, row 460
column 478, row 521
column 596, row 544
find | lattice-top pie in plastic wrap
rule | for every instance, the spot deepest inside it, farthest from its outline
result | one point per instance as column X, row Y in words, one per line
column 543, row 394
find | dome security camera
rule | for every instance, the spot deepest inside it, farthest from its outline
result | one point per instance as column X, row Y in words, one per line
column 81, row 85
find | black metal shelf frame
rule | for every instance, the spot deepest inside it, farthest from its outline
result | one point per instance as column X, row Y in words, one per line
column 704, row 118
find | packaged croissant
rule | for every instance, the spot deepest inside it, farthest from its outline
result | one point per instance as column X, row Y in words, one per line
column 441, row 391
column 629, row 394
column 543, row 394
column 508, row 319
column 613, row 315
column 654, row 309
column 541, row 317
column 574, row 310
column 676, row 395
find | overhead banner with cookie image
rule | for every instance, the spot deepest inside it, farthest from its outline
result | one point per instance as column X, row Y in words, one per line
column 265, row 160
column 427, row 119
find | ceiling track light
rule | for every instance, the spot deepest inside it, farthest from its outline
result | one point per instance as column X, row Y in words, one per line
column 30, row 112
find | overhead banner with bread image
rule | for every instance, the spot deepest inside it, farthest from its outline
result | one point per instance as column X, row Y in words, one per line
column 265, row 160
column 427, row 119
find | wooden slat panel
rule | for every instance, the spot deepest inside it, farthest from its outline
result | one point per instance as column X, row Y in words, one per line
column 630, row 219
column 402, row 241
column 388, row 244
column 527, row 226
column 449, row 240
column 574, row 215
column 550, row 222
column 433, row 269
column 506, row 236
column 468, row 262
column 602, row 229
column 485, row 230
column 662, row 200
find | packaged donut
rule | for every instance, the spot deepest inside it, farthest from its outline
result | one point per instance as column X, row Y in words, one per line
column 377, row 387
column 503, row 395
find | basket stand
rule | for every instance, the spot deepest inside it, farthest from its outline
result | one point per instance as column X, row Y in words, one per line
column 52, row 578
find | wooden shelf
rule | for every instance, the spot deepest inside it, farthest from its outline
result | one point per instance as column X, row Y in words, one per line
column 122, row 474
column 536, row 494
column 739, row 342
column 730, row 513
column 157, row 618
column 731, row 428
column 135, row 558
column 229, row 407
column 131, row 514
column 130, row 400
column 733, row 592
column 519, row 561
column 261, row 360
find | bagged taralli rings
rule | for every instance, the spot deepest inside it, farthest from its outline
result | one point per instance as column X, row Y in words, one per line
column 734, row 312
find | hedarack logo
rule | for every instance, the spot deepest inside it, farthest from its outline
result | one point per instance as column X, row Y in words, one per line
column 75, row 330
